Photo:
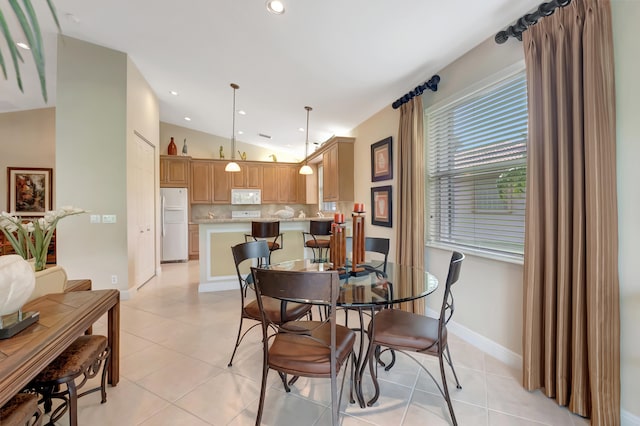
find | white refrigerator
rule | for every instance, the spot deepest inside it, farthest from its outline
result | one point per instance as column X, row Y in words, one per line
column 175, row 225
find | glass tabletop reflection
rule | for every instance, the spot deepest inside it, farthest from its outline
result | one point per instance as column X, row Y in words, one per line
column 372, row 286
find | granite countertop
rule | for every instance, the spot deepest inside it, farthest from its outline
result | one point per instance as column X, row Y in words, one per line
column 203, row 220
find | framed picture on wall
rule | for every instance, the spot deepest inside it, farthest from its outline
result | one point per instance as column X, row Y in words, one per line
column 381, row 160
column 381, row 208
column 29, row 191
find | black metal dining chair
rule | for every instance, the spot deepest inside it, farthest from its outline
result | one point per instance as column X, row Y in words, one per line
column 317, row 239
column 374, row 245
column 407, row 332
column 303, row 348
column 278, row 311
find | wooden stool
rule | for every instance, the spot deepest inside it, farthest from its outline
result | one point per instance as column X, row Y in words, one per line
column 21, row 410
column 84, row 357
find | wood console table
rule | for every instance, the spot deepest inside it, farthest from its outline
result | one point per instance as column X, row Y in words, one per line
column 63, row 317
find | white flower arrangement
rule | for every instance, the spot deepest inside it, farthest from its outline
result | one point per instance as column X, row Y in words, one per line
column 32, row 239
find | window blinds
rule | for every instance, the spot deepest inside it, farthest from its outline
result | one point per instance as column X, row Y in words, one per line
column 476, row 162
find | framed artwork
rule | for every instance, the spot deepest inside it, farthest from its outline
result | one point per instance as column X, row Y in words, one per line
column 381, row 208
column 29, row 191
column 381, row 160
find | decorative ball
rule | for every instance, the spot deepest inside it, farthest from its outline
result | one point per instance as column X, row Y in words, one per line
column 17, row 282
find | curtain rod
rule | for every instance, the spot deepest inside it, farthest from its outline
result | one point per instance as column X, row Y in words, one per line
column 432, row 85
column 521, row 25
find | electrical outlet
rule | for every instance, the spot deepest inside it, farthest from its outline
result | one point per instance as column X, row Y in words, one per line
column 114, row 279
column 94, row 218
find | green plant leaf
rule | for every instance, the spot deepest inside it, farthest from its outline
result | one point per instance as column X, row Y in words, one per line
column 13, row 50
column 31, row 30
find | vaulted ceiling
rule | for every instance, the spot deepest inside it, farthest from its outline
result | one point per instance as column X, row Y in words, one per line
column 347, row 59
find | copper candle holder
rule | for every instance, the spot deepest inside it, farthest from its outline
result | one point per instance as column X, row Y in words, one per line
column 338, row 246
column 358, row 250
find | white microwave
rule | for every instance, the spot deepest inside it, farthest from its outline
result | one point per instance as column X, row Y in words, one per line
column 245, row 196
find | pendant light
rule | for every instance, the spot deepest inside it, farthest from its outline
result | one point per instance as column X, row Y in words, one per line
column 306, row 169
column 232, row 166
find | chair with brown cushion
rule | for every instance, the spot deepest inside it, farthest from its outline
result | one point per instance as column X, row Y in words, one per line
column 21, row 410
column 303, row 348
column 268, row 231
column 258, row 252
column 317, row 239
column 408, row 332
column 83, row 358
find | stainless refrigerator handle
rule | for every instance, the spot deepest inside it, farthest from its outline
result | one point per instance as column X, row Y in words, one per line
column 162, row 214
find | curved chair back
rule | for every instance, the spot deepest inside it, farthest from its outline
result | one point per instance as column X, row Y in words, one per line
column 447, row 308
column 374, row 245
column 320, row 227
column 258, row 250
column 265, row 229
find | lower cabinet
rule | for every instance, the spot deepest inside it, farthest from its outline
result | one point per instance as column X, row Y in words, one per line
column 194, row 242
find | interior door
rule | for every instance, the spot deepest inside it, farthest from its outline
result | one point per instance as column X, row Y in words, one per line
column 144, row 188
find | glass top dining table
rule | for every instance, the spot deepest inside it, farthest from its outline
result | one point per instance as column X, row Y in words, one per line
column 372, row 286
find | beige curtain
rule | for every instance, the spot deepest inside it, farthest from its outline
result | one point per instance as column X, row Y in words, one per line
column 410, row 230
column 571, row 336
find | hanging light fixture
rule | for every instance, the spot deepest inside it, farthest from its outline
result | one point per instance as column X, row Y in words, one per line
column 232, row 166
column 306, row 169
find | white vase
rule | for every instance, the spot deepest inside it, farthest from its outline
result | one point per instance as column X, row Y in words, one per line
column 17, row 282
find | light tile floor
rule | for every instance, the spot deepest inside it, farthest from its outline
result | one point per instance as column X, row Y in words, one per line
column 176, row 343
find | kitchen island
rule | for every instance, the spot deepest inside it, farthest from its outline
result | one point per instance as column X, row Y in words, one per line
column 217, row 236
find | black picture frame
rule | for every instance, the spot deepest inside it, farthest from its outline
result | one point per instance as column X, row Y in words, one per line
column 382, row 206
column 382, row 160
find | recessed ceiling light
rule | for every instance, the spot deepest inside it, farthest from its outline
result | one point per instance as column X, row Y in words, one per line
column 240, row 132
column 275, row 6
column 173, row 92
column 187, row 118
column 25, row 46
column 242, row 112
column 300, row 129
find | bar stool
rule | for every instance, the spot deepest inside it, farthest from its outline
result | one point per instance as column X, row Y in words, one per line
column 269, row 231
column 83, row 358
column 318, row 228
column 21, row 410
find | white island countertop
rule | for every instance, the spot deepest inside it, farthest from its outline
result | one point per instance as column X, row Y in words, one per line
column 203, row 220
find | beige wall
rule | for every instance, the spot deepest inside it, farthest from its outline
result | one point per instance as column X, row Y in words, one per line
column 380, row 126
column 91, row 169
column 28, row 140
column 205, row 145
column 625, row 18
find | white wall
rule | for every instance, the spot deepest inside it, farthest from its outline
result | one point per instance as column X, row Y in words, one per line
column 626, row 15
column 28, row 140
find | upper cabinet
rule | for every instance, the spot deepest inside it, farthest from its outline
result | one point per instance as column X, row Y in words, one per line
column 174, row 171
column 337, row 163
column 250, row 176
column 210, row 184
column 280, row 183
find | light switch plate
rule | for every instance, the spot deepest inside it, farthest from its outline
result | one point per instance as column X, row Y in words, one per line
column 94, row 218
column 108, row 218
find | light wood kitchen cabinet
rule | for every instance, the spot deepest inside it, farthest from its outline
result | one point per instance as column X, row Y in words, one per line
column 221, row 183
column 250, row 176
column 280, row 183
column 194, row 242
column 174, row 171
column 210, row 184
column 337, row 162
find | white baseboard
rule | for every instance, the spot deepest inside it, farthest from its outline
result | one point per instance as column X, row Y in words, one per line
column 628, row 419
column 127, row 294
column 488, row 346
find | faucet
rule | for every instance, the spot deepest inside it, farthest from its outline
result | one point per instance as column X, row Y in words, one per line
column 319, row 214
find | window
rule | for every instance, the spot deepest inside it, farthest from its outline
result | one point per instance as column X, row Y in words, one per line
column 476, row 169
column 329, row 206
